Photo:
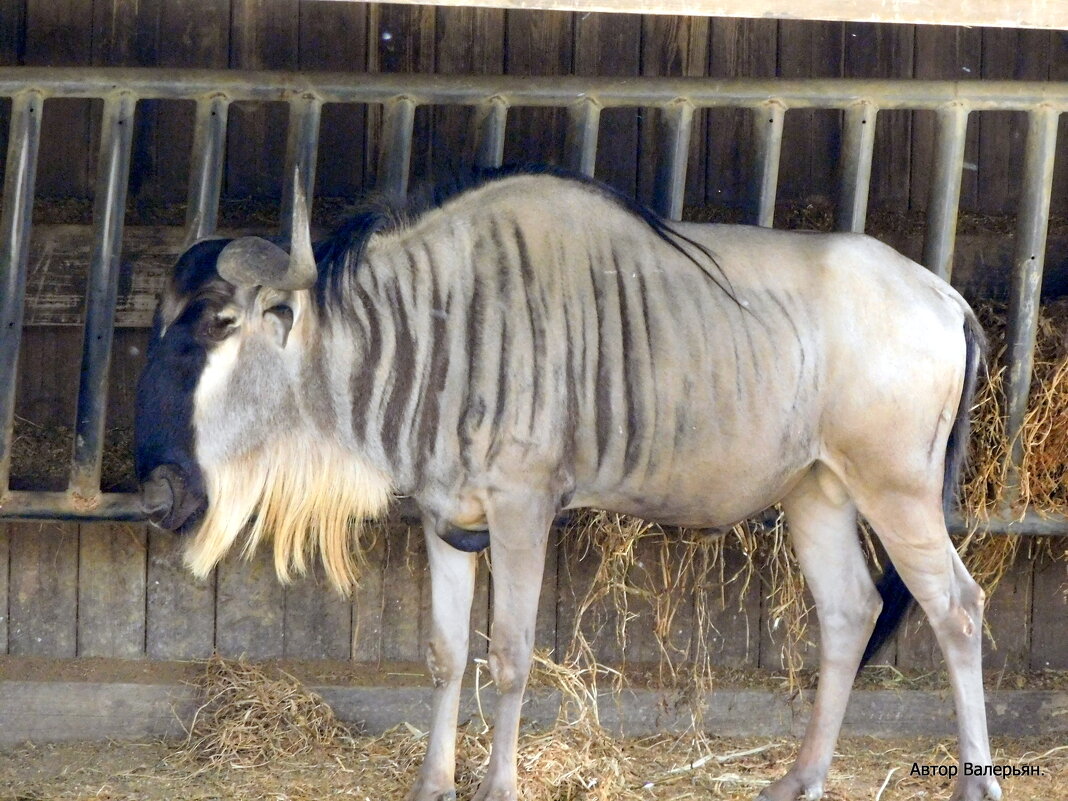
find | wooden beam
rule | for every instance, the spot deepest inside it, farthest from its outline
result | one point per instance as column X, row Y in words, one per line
column 987, row 13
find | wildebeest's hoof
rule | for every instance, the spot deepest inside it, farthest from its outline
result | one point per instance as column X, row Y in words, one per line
column 791, row 787
column 448, row 795
column 976, row 788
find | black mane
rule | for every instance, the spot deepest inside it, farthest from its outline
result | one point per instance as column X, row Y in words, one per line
column 342, row 253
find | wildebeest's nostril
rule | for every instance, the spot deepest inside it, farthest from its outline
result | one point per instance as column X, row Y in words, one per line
column 158, row 493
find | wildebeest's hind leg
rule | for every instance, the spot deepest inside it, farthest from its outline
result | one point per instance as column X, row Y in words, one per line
column 519, row 529
column 823, row 529
column 452, row 584
column 912, row 528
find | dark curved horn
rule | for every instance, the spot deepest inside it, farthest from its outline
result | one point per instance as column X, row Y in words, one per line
column 253, row 261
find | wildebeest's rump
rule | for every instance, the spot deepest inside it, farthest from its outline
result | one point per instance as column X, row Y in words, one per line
column 537, row 343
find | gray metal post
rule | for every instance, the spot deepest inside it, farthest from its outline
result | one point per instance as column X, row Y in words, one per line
column 669, row 190
column 580, row 145
column 767, row 128
column 856, row 167
column 109, row 209
column 941, row 234
column 490, row 121
column 1030, row 253
column 15, row 218
column 206, row 168
column 302, row 148
column 394, row 157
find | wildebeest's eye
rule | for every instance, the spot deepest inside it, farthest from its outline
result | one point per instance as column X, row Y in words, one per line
column 218, row 327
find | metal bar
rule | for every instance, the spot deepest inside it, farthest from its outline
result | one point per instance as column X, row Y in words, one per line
column 302, row 148
column 109, row 208
column 395, row 151
column 941, row 234
column 490, row 121
column 669, row 191
column 580, row 144
column 856, row 166
column 206, row 170
column 767, row 127
column 19, row 176
column 126, row 507
column 562, row 90
column 1029, row 258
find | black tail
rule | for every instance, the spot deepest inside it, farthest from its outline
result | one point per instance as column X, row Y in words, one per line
column 896, row 597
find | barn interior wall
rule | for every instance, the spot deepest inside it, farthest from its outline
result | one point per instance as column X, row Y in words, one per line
column 114, row 590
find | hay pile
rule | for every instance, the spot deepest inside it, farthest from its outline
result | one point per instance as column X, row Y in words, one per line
column 249, row 720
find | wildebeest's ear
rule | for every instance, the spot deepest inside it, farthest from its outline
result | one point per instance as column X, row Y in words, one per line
column 279, row 322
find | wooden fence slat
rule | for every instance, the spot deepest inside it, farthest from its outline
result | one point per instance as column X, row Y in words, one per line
column 1007, row 618
column 546, row 633
column 1015, row 55
column 610, row 44
column 674, row 46
column 405, row 594
column 732, row 628
column 5, row 584
column 917, row 648
column 1058, row 71
column 203, row 41
column 401, row 39
column 656, row 557
column 43, row 618
column 949, row 54
column 773, row 633
column 1049, row 646
column 367, row 601
column 264, row 35
column 880, row 51
column 111, row 590
column 250, row 607
column 180, row 610
column 577, row 570
column 59, row 34
column 811, row 137
column 738, row 47
column 333, row 36
column 470, row 41
column 318, row 620
column 539, row 43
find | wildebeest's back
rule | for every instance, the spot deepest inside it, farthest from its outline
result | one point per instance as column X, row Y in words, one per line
column 570, row 344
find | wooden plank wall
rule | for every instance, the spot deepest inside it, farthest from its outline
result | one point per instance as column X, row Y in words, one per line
column 120, row 590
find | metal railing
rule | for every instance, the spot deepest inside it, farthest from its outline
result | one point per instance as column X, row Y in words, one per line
column 491, row 97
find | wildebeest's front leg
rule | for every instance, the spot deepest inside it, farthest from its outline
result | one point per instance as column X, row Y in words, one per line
column 519, row 529
column 452, row 584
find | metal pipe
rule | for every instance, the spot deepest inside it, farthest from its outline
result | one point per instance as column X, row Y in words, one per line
column 767, row 128
column 126, row 507
column 490, row 121
column 856, row 166
column 1028, row 261
column 557, row 90
column 302, row 149
column 669, row 189
column 109, row 208
column 395, row 149
column 941, row 234
column 580, row 143
column 19, row 176
column 206, row 168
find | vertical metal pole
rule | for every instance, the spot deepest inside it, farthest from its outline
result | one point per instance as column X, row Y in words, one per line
column 15, row 218
column 302, row 148
column 580, row 145
column 767, row 126
column 1029, row 258
column 856, row 166
column 669, row 190
column 109, row 208
column 206, row 168
column 490, row 121
column 395, row 153
column 941, row 234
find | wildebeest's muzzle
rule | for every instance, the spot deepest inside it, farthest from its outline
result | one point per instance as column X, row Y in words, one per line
column 168, row 501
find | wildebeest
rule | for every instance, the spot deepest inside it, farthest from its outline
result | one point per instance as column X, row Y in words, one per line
column 538, row 343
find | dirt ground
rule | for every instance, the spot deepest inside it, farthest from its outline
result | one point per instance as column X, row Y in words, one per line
column 378, row 769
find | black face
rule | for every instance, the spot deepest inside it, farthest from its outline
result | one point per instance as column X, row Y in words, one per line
column 172, row 487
